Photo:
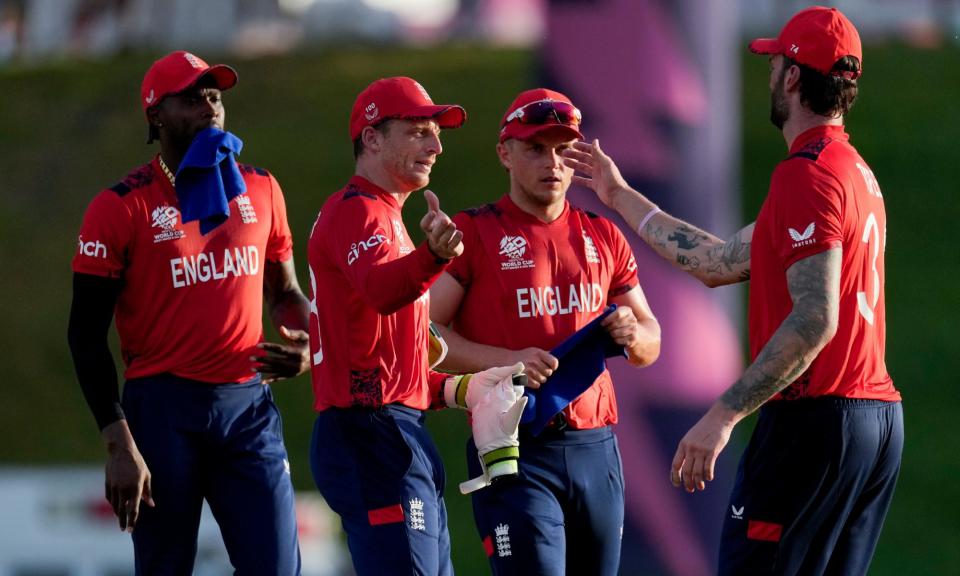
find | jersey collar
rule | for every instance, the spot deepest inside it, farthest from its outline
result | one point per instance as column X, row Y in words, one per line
column 831, row 131
column 509, row 207
column 369, row 187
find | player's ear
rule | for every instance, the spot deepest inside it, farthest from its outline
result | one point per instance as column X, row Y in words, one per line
column 372, row 138
column 503, row 153
column 791, row 80
column 153, row 115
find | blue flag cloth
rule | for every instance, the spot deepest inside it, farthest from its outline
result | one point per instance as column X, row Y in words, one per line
column 208, row 178
column 583, row 357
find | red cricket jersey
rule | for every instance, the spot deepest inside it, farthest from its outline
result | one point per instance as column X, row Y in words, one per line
column 370, row 309
column 529, row 283
column 191, row 305
column 824, row 195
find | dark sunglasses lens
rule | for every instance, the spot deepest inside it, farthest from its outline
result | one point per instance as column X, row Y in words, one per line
column 549, row 112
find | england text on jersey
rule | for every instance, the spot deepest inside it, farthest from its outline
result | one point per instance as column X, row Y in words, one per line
column 206, row 266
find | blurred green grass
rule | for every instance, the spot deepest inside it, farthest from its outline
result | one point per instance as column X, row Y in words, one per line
column 70, row 129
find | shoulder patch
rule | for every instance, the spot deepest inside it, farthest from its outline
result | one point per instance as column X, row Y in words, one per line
column 248, row 169
column 138, row 178
column 812, row 150
column 482, row 210
column 353, row 192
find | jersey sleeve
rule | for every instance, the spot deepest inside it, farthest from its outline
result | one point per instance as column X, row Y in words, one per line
column 808, row 210
column 105, row 234
column 280, row 240
column 362, row 247
column 624, row 276
column 460, row 267
column 435, row 382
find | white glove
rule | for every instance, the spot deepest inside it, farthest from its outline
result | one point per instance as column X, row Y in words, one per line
column 496, row 420
column 464, row 391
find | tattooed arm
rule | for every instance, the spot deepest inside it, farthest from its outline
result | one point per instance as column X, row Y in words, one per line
column 814, row 285
column 709, row 259
column 713, row 261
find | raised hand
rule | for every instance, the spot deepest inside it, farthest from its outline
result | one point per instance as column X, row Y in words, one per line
column 443, row 238
column 595, row 170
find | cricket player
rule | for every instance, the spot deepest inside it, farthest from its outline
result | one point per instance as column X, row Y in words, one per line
column 816, row 480
column 535, row 270
column 184, row 265
column 372, row 458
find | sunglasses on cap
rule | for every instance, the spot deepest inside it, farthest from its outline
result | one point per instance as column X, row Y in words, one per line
column 546, row 112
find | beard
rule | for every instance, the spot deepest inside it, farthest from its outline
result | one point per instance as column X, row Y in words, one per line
column 779, row 110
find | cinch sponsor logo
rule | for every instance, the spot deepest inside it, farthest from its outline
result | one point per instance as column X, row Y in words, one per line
column 95, row 248
column 377, row 239
column 206, row 266
column 555, row 301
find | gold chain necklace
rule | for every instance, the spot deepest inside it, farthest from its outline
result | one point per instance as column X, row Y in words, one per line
column 166, row 170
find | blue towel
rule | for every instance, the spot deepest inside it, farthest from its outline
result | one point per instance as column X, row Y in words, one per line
column 583, row 357
column 208, row 178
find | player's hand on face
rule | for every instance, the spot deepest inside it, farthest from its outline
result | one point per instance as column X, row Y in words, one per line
column 622, row 326
column 127, row 479
column 443, row 238
column 696, row 456
column 278, row 361
column 538, row 365
column 594, row 170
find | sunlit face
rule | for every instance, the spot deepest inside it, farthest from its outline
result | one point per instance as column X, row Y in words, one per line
column 779, row 109
column 537, row 172
column 408, row 151
column 186, row 113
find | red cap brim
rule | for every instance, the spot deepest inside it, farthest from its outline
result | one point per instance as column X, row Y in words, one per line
column 225, row 76
column 447, row 116
column 528, row 131
column 766, row 46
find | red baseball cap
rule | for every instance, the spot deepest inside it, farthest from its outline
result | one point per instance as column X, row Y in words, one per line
column 538, row 110
column 178, row 71
column 400, row 97
column 816, row 37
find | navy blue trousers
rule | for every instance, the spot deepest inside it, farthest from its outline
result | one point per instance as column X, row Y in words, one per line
column 563, row 514
column 813, row 488
column 218, row 442
column 380, row 471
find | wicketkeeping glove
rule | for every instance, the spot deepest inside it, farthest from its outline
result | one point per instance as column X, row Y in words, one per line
column 496, row 420
column 438, row 347
column 464, row 391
